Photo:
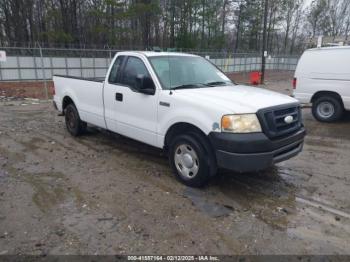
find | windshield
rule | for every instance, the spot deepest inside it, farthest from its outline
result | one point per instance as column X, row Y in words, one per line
column 187, row 72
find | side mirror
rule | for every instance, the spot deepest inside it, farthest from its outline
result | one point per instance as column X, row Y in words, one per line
column 146, row 85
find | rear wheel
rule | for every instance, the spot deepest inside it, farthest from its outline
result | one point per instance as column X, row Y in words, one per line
column 190, row 161
column 73, row 123
column 327, row 109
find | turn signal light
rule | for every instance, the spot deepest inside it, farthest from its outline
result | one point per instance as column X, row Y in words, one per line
column 226, row 122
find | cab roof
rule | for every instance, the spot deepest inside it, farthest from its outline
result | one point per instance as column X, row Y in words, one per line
column 153, row 53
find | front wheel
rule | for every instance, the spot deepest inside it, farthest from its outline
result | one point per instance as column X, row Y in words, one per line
column 190, row 161
column 327, row 109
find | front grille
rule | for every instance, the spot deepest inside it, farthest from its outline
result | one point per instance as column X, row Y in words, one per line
column 273, row 120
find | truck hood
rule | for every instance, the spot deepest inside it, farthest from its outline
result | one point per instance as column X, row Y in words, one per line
column 237, row 99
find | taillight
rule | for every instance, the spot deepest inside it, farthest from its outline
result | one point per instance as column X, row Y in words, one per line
column 294, row 83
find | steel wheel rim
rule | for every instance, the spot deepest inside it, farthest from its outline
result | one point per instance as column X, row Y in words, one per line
column 325, row 109
column 186, row 161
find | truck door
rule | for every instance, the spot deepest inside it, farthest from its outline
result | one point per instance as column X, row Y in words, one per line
column 136, row 113
column 111, row 87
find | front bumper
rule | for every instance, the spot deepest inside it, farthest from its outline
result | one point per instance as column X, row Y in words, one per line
column 254, row 152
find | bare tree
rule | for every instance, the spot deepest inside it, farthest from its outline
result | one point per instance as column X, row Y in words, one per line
column 234, row 25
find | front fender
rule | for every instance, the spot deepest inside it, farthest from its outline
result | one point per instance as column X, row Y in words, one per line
column 197, row 118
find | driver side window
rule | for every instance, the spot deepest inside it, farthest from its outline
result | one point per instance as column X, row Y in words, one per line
column 134, row 68
column 115, row 71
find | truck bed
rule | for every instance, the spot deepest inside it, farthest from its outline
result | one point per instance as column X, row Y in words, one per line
column 87, row 93
column 93, row 79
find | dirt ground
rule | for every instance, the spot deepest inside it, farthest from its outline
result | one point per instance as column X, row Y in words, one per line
column 105, row 194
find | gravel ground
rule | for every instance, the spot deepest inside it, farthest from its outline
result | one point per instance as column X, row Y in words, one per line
column 105, row 194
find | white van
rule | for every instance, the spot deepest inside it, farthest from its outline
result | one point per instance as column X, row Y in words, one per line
column 322, row 78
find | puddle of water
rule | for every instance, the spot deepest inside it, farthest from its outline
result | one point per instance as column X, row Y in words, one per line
column 210, row 208
column 267, row 195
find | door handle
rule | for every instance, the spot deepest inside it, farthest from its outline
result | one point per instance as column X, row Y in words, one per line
column 119, row 96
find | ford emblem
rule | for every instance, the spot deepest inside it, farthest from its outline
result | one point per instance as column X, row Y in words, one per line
column 288, row 119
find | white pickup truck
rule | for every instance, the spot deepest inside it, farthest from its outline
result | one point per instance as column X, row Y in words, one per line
column 185, row 105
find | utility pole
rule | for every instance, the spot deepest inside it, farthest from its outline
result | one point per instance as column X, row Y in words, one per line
column 264, row 45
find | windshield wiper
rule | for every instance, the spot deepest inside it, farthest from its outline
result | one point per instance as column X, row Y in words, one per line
column 217, row 83
column 187, row 86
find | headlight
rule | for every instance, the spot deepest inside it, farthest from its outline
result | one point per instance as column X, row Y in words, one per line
column 247, row 123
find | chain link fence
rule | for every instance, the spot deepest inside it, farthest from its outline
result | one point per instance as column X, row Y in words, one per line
column 28, row 64
column 36, row 64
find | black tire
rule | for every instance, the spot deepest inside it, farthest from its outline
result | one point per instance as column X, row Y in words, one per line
column 205, row 161
column 74, row 125
column 327, row 109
